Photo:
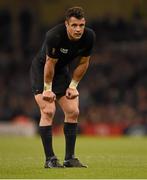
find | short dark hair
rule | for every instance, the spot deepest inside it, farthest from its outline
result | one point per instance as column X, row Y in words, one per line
column 76, row 12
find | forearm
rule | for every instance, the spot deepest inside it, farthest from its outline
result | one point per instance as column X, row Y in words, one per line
column 79, row 72
column 48, row 72
column 81, row 69
column 49, row 69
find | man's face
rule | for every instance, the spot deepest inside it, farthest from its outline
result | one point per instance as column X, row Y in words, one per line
column 75, row 28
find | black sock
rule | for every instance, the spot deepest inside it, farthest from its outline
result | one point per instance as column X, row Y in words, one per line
column 46, row 136
column 70, row 131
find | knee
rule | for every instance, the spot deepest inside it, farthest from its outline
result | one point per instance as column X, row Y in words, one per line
column 48, row 113
column 73, row 113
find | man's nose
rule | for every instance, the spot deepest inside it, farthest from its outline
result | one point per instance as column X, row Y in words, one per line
column 78, row 29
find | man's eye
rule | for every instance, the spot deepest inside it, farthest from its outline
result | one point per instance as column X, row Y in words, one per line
column 82, row 25
column 74, row 25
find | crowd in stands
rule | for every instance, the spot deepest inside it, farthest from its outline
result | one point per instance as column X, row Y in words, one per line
column 114, row 90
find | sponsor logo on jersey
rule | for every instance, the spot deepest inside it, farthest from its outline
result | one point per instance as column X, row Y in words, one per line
column 65, row 51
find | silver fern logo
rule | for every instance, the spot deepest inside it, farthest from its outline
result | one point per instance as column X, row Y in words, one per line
column 65, row 51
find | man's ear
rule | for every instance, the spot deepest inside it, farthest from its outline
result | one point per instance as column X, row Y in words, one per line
column 66, row 23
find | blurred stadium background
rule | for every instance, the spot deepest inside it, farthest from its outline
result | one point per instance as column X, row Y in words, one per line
column 113, row 93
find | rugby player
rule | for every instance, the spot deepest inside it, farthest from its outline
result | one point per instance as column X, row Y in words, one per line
column 52, row 81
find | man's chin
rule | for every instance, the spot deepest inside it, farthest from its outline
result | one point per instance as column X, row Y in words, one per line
column 77, row 37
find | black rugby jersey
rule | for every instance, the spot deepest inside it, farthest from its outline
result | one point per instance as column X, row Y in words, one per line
column 57, row 45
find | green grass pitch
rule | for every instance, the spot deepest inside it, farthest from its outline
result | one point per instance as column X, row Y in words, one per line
column 123, row 158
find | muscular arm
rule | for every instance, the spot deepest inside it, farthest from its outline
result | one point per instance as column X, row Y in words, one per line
column 49, row 69
column 78, row 73
column 48, row 78
column 81, row 69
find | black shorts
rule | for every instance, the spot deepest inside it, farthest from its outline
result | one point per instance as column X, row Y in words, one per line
column 61, row 80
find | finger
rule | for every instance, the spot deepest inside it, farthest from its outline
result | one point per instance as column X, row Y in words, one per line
column 54, row 98
column 68, row 96
column 46, row 98
column 74, row 96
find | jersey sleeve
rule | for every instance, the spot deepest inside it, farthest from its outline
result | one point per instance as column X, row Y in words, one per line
column 90, row 40
column 52, row 45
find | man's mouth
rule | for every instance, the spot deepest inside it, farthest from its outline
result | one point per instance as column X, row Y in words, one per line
column 78, row 34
